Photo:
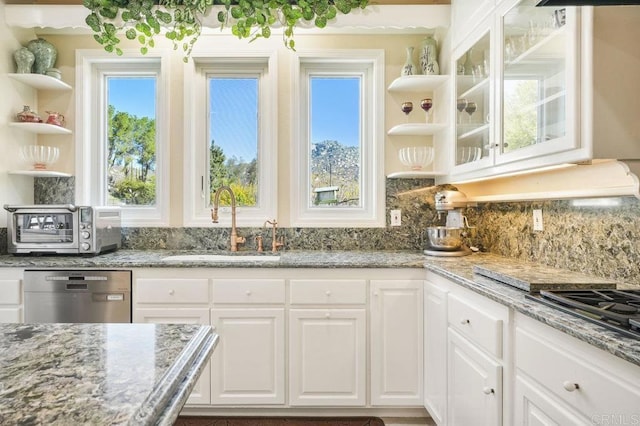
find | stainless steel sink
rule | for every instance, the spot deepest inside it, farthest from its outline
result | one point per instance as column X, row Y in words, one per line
column 221, row 258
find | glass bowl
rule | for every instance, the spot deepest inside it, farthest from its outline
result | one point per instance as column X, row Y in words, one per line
column 38, row 156
column 416, row 157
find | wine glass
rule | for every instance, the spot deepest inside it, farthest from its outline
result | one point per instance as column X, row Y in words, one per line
column 461, row 104
column 470, row 109
column 407, row 107
column 426, row 105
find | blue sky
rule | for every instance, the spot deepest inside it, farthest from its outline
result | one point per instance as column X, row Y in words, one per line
column 335, row 107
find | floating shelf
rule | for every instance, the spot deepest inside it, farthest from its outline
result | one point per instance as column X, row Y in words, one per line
column 416, row 129
column 41, row 81
column 39, row 173
column 415, row 174
column 417, row 83
column 42, row 128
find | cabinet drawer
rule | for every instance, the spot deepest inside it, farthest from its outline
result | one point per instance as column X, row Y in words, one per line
column 10, row 292
column 480, row 325
column 591, row 386
column 328, row 292
column 248, row 291
column 172, row 290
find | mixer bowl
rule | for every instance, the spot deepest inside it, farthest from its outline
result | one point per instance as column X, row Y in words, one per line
column 445, row 239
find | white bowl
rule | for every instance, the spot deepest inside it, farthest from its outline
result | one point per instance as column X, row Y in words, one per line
column 416, row 157
column 467, row 154
column 39, row 157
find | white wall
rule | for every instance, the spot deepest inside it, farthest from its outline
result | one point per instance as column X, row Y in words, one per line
column 14, row 189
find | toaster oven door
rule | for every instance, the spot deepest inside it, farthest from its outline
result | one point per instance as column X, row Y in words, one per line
column 54, row 231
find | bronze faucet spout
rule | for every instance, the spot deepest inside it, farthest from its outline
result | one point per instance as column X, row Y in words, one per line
column 235, row 239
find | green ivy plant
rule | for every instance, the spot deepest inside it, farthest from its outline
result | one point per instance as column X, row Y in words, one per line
column 142, row 20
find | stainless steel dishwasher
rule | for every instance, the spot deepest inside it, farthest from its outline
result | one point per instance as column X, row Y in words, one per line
column 91, row 296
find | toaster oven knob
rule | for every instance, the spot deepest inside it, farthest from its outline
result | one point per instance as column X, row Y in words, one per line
column 85, row 235
column 85, row 246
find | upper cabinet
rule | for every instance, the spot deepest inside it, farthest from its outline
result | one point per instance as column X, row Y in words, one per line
column 563, row 85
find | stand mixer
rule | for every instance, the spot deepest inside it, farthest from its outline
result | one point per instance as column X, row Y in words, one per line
column 447, row 240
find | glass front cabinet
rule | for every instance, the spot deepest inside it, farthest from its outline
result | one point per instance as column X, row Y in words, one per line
column 516, row 90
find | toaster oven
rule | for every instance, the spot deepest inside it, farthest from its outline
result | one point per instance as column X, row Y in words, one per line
column 63, row 229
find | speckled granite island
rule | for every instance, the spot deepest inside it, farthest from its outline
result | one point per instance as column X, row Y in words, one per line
column 116, row 374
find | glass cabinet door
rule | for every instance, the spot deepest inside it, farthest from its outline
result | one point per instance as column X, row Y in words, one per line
column 539, row 81
column 473, row 88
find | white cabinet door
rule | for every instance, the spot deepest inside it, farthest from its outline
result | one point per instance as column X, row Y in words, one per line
column 396, row 342
column 10, row 315
column 474, row 385
column 435, row 351
column 248, row 364
column 201, row 393
column 327, row 357
column 534, row 406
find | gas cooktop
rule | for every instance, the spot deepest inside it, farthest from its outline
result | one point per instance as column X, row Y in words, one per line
column 617, row 310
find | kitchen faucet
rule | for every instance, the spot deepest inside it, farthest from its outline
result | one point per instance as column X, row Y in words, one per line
column 275, row 242
column 235, row 239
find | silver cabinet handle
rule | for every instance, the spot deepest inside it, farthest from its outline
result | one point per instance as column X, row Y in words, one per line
column 487, row 390
column 248, row 292
column 328, row 293
column 465, row 321
column 172, row 292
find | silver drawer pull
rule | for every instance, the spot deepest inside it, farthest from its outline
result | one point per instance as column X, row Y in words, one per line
column 248, row 292
column 465, row 321
column 570, row 387
column 172, row 292
column 487, row 390
column 328, row 293
column 328, row 315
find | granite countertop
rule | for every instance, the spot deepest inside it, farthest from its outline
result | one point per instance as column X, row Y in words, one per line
column 458, row 269
column 116, row 374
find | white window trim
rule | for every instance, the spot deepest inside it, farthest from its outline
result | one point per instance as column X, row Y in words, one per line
column 196, row 211
column 371, row 214
column 90, row 124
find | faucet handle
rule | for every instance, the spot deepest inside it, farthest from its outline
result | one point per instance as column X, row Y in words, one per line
column 259, row 248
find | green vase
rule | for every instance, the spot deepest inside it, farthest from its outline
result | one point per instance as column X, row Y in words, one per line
column 45, row 55
column 24, row 60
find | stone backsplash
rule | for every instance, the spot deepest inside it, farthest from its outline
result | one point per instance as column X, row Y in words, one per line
column 599, row 237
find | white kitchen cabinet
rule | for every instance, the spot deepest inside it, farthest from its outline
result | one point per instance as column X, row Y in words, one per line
column 466, row 15
column 474, row 384
column 10, row 298
column 466, row 355
column 327, row 342
column 248, row 366
column 555, row 93
column 435, row 351
column 327, row 356
column 535, row 406
column 585, row 383
column 396, row 342
column 175, row 301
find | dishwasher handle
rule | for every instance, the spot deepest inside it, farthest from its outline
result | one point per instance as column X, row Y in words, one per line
column 77, row 286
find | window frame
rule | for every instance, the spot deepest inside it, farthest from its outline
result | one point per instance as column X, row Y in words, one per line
column 196, row 210
column 92, row 68
column 369, row 63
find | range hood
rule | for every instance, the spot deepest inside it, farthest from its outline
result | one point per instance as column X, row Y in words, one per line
column 587, row 2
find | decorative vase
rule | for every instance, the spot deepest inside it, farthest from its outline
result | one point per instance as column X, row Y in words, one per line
column 429, row 56
column 45, row 55
column 409, row 67
column 24, row 60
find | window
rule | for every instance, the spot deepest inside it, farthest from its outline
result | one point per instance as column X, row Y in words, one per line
column 231, row 136
column 122, row 135
column 337, row 147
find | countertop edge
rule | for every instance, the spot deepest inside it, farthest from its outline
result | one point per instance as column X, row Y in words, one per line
column 162, row 402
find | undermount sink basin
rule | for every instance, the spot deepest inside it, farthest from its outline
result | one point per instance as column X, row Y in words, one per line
column 221, row 258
